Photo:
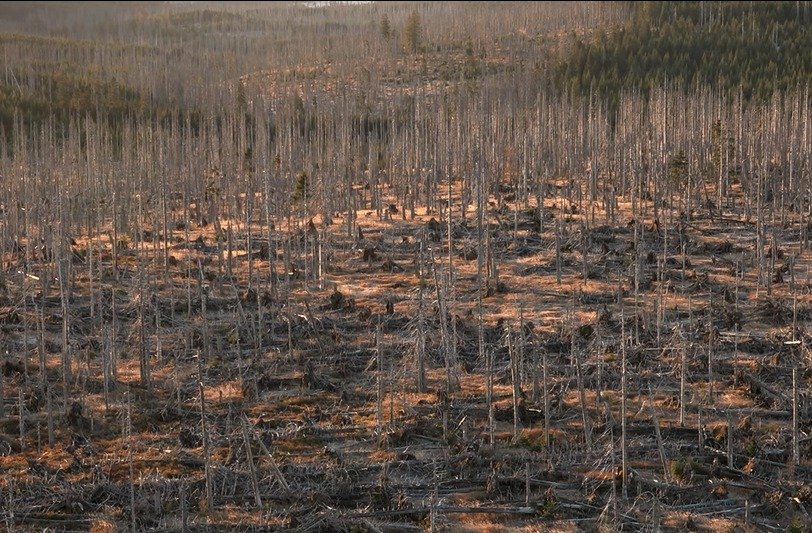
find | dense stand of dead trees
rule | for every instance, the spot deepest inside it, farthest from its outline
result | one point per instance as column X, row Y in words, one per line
column 83, row 179
column 269, row 177
column 675, row 155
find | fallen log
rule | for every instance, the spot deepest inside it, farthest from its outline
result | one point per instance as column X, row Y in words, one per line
column 758, row 387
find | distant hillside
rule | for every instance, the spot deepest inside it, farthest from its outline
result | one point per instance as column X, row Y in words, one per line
column 152, row 60
column 48, row 17
column 758, row 46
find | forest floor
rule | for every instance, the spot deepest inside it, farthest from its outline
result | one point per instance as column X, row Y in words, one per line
column 311, row 419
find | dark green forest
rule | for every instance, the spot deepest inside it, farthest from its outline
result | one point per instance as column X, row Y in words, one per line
column 755, row 48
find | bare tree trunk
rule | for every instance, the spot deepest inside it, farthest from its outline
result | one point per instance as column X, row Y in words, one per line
column 558, row 251
column 452, row 383
column 379, row 381
column 683, row 369
column 730, row 436
column 796, row 451
column 623, row 449
column 710, row 347
column 489, row 398
column 582, row 395
column 66, row 348
column 657, row 433
column 544, row 388
column 251, row 467
column 131, row 446
column 205, row 434
column 514, row 378
column 421, row 325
